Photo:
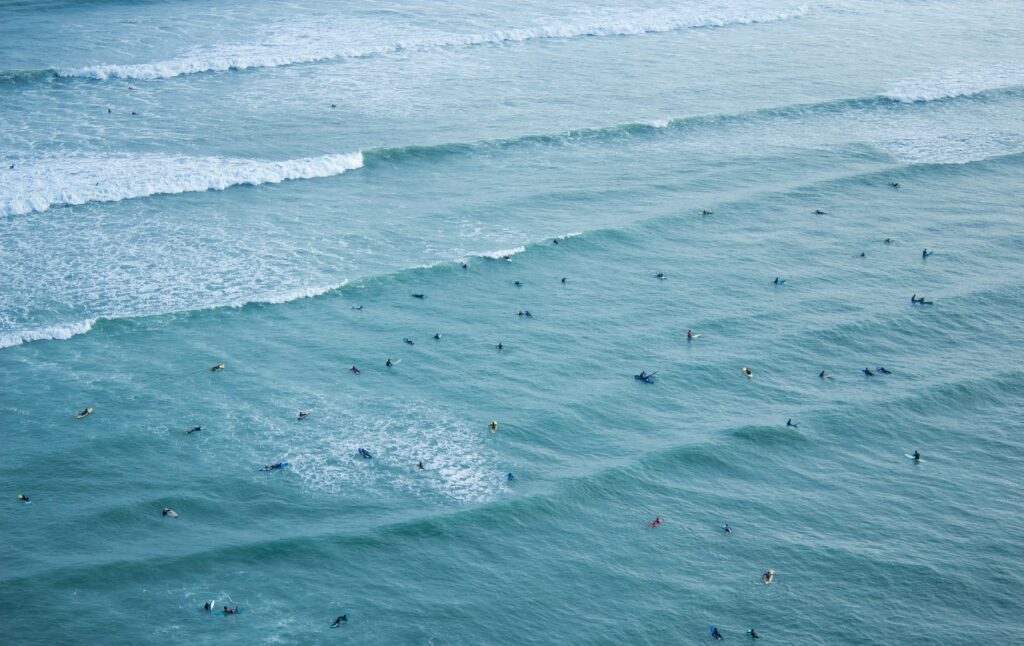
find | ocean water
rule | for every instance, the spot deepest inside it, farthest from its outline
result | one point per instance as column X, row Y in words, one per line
column 264, row 185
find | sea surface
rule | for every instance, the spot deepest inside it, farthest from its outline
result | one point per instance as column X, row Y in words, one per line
column 264, row 185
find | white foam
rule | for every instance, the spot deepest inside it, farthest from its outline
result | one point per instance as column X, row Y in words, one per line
column 658, row 123
column 458, row 465
column 501, row 254
column 956, row 83
column 60, row 332
column 955, row 149
column 291, row 44
column 40, row 183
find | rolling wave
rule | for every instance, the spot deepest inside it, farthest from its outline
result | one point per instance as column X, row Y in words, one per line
column 42, row 183
column 309, row 44
column 64, row 331
column 956, row 83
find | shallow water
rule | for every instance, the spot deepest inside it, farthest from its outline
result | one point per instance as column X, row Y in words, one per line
column 239, row 218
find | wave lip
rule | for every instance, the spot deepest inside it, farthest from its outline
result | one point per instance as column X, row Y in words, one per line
column 40, row 184
column 315, row 43
column 59, row 332
column 956, row 83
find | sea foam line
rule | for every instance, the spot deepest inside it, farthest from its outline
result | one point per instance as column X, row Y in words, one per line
column 41, row 183
column 64, row 331
column 314, row 43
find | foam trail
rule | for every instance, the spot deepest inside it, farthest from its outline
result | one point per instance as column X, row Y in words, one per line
column 290, row 44
column 956, row 83
column 954, row 149
column 61, row 332
column 41, row 183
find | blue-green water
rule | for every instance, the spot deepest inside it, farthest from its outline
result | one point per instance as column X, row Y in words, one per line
column 289, row 163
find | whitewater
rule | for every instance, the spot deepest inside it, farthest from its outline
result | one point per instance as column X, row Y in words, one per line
column 419, row 252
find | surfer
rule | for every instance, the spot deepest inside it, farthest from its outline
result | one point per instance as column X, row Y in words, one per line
column 465, row 265
column 883, row 370
column 554, row 241
column 194, row 429
column 355, row 371
column 753, row 634
column 717, row 635
column 818, row 212
column 863, row 254
column 509, row 477
column 726, row 528
column 231, row 611
column 646, row 377
column 84, row 413
column 917, row 456
column 748, row 372
column 501, row 346
column 778, row 281
column 895, row 185
column 824, row 375
column 208, row 606
column 867, row 372
column 419, row 465
column 887, row 241
column 656, row 522
column 926, row 253
column 660, row 275
column 420, row 296
column 340, row 620
column 913, row 298
column 23, row 498
column 217, row 368
column 563, row 280
column 273, row 467
column 437, row 336
column 357, row 308
column 789, row 422
column 388, row 362
column 689, row 335
column 706, row 212
column 493, row 426
column 408, row 340
column 303, row 414
column 518, row 283
column 167, row 511
column 768, row 577
column 366, row 454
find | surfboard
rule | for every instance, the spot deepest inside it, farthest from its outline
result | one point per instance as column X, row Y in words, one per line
column 697, row 335
column 912, row 457
column 87, row 412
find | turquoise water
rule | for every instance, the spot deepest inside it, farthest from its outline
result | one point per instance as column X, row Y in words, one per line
column 238, row 218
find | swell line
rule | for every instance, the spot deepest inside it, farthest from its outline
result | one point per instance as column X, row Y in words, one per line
column 64, row 331
column 297, row 46
column 36, row 185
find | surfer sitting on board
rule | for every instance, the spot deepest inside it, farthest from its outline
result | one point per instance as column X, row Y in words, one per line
column 917, row 456
column 231, row 611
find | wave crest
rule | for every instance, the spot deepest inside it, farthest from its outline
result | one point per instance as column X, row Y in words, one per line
column 41, row 183
column 309, row 44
